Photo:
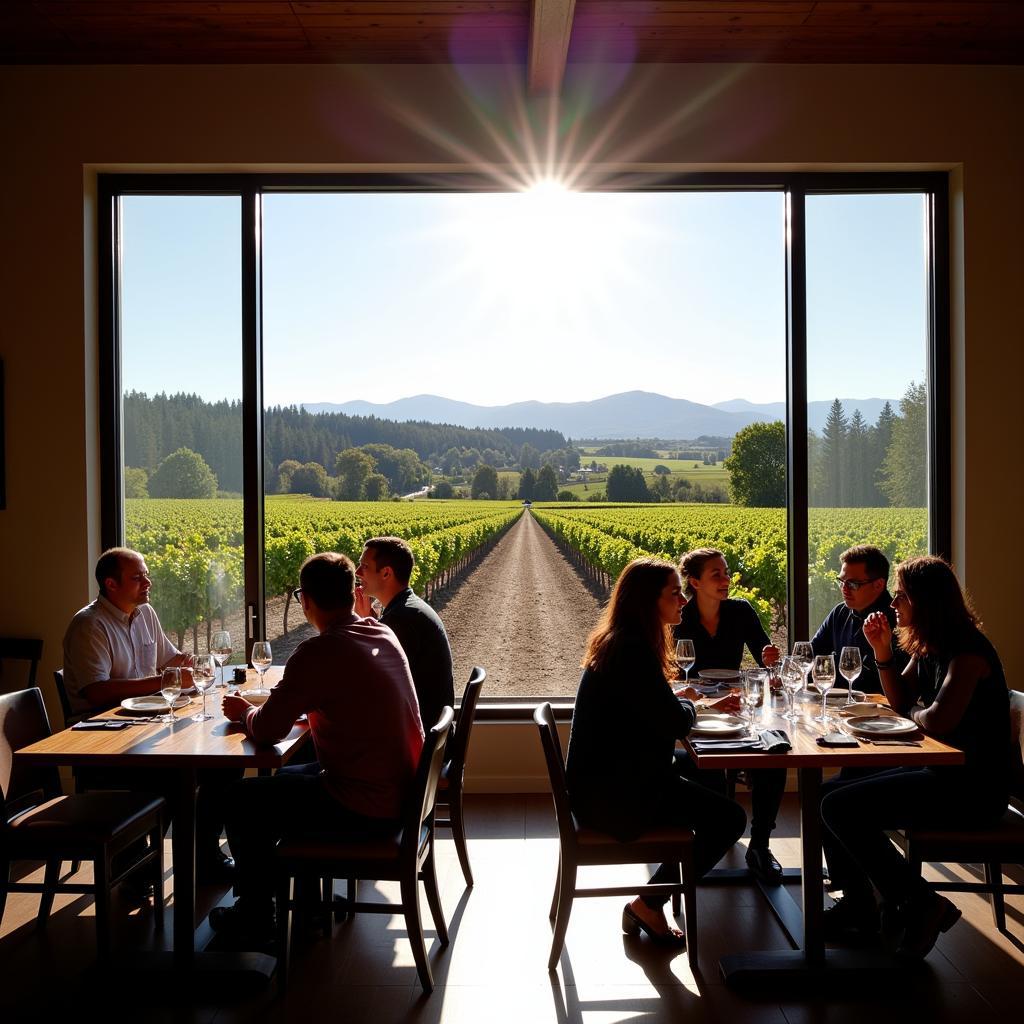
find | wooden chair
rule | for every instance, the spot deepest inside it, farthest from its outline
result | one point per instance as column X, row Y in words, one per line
column 449, row 791
column 18, row 649
column 993, row 847
column 38, row 824
column 579, row 847
column 406, row 857
column 65, row 703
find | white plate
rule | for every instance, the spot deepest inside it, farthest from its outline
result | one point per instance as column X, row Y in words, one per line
column 152, row 704
column 867, row 707
column 711, row 724
column 883, row 725
column 255, row 699
column 718, row 675
column 844, row 696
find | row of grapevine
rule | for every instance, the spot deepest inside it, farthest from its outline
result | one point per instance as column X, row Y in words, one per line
column 195, row 556
column 753, row 541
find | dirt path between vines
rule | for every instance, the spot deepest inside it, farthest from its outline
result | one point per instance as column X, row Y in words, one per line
column 524, row 614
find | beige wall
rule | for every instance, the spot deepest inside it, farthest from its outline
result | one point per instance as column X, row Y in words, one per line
column 62, row 125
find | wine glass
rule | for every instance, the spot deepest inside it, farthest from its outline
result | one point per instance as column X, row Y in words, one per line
column 792, row 680
column 220, row 648
column 170, row 690
column 261, row 661
column 685, row 657
column 849, row 667
column 753, row 689
column 803, row 655
column 203, row 673
column 824, row 674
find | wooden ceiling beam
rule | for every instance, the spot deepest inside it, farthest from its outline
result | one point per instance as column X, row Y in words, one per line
column 550, row 28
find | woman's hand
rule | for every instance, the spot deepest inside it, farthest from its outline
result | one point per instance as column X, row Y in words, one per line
column 729, row 704
column 770, row 655
column 878, row 633
column 688, row 693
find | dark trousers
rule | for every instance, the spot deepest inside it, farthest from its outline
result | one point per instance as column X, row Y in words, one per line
column 857, row 811
column 717, row 823
column 294, row 802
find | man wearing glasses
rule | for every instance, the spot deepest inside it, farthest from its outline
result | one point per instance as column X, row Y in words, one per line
column 863, row 579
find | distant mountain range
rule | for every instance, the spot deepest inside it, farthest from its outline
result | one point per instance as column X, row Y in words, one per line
column 627, row 415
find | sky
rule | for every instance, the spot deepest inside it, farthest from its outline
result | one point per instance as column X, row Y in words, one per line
column 548, row 295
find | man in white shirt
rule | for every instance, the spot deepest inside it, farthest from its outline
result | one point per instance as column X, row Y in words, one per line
column 115, row 647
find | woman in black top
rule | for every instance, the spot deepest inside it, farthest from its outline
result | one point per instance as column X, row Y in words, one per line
column 720, row 627
column 620, row 769
column 955, row 690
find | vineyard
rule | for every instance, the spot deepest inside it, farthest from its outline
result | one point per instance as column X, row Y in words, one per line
column 753, row 541
column 194, row 547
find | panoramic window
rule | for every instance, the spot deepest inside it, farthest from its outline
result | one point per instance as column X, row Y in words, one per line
column 531, row 388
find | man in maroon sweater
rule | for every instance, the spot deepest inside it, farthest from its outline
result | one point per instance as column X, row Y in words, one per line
column 352, row 680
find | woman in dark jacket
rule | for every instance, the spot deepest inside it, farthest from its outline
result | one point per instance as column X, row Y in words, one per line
column 955, row 690
column 620, row 766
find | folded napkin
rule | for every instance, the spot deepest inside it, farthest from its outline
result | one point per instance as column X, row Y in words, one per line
column 101, row 723
column 776, row 741
column 769, row 741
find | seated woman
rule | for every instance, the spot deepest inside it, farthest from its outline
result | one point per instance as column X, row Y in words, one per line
column 620, row 769
column 720, row 627
column 954, row 689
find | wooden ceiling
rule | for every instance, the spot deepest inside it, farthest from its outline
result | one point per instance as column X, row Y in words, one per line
column 500, row 31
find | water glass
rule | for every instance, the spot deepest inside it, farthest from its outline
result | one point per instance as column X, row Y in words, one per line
column 824, row 674
column 752, row 695
column 170, row 690
column 685, row 657
column 203, row 674
column 792, row 680
column 221, row 649
column 261, row 661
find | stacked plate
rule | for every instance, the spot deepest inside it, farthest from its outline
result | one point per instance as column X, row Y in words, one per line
column 711, row 724
column 717, row 680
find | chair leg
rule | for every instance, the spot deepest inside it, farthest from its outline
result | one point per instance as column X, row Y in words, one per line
column 50, row 879
column 554, row 895
column 284, row 899
column 327, row 904
column 5, row 879
column 566, row 888
column 429, row 876
column 677, row 898
column 101, row 880
column 690, row 905
column 994, row 877
column 459, row 831
column 156, row 840
column 414, row 926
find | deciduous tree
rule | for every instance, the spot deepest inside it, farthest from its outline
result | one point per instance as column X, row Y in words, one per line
column 757, row 465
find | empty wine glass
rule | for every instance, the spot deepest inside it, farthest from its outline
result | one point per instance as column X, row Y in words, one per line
column 803, row 655
column 203, row 673
column 685, row 657
column 752, row 693
column 170, row 690
column 850, row 666
column 792, row 680
column 261, row 661
column 221, row 649
column 824, row 674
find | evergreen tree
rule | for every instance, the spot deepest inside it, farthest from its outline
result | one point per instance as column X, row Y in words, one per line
column 904, row 475
column 547, row 485
column 833, row 448
column 527, row 485
column 881, row 438
column 857, row 474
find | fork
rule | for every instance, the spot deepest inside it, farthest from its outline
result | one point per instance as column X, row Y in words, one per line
column 891, row 743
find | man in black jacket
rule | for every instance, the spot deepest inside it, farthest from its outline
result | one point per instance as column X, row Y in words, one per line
column 863, row 579
column 384, row 571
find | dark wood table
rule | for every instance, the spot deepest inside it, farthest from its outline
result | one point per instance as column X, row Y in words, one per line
column 183, row 749
column 810, row 761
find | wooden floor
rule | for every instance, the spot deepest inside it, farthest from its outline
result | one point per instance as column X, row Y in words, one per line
column 495, row 967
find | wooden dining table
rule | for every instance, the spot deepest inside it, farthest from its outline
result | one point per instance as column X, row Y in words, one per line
column 810, row 957
column 180, row 750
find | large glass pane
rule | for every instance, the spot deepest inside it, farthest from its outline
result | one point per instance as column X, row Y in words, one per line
column 867, row 344
column 433, row 360
column 181, row 359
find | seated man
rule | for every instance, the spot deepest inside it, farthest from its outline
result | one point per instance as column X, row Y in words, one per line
column 353, row 682
column 384, row 572
column 863, row 579
column 115, row 648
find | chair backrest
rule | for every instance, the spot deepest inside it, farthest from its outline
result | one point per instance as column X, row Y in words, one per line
column 22, row 721
column 62, row 693
column 428, row 772
column 545, row 720
column 1017, row 748
column 21, row 649
column 467, row 710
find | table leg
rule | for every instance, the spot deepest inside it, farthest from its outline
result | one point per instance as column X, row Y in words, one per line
column 810, row 862
column 183, row 847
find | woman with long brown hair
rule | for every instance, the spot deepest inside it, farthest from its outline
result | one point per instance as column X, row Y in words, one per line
column 955, row 690
column 620, row 768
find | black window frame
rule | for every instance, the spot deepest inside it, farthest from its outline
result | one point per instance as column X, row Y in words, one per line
column 794, row 186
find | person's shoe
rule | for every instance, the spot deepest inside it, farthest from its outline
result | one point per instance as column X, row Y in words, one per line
column 633, row 924
column 850, row 919
column 218, row 869
column 242, row 927
column 925, row 915
column 763, row 865
column 137, row 888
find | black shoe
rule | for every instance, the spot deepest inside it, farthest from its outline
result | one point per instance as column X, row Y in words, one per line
column 253, row 929
column 924, row 917
column 850, row 919
column 763, row 865
column 633, row 924
column 216, row 870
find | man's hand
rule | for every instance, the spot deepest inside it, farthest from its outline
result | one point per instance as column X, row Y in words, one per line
column 363, row 606
column 729, row 704
column 878, row 633
column 187, row 682
column 689, row 693
column 770, row 655
column 235, row 707
column 181, row 661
